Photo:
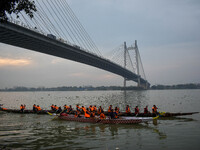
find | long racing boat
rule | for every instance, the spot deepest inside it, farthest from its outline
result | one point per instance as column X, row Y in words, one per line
column 161, row 114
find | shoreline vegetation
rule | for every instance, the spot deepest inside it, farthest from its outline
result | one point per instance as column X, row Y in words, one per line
column 101, row 88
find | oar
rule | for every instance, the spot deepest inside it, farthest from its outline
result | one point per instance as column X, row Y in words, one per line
column 156, row 117
column 58, row 114
column 49, row 113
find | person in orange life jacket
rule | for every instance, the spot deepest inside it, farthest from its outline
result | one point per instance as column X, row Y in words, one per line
column 55, row 108
column 77, row 114
column 52, row 107
column 102, row 115
column 154, row 109
column 128, row 111
column 22, row 108
column 113, row 114
column 100, row 110
column 34, row 108
column 92, row 114
column 110, row 109
column 83, row 109
column 77, row 107
column 117, row 110
column 95, row 108
column 65, row 108
column 59, row 110
column 87, row 113
column 146, row 110
column 70, row 109
column 38, row 108
column 137, row 110
column 91, row 108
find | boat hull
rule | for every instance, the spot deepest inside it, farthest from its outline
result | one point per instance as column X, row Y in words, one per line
column 121, row 120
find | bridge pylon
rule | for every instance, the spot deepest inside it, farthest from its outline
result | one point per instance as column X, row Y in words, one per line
column 138, row 62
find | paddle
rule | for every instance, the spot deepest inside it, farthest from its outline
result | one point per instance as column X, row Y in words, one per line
column 59, row 114
column 156, row 117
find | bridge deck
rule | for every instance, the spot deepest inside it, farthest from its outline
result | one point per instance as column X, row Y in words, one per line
column 16, row 35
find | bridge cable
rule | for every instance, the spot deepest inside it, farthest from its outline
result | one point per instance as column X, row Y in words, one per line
column 53, row 18
column 48, row 20
column 77, row 29
column 66, row 22
column 82, row 28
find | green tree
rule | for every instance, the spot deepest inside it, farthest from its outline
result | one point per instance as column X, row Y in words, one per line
column 16, row 6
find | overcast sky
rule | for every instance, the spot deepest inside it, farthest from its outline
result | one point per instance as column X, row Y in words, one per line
column 167, row 31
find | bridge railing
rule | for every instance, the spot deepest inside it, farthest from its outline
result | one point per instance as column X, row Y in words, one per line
column 17, row 22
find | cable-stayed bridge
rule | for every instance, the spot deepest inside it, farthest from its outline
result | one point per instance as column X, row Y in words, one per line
column 55, row 30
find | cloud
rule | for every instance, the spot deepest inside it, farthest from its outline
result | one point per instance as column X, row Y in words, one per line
column 14, row 62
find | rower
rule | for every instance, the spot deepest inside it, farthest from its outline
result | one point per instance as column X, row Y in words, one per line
column 52, row 107
column 34, row 108
column 66, row 108
column 95, row 108
column 83, row 109
column 38, row 108
column 77, row 114
column 70, row 109
column 92, row 114
column 110, row 109
column 136, row 110
column 146, row 110
column 154, row 109
column 91, row 108
column 22, row 108
column 55, row 108
column 117, row 110
column 87, row 113
column 128, row 111
column 102, row 115
column 59, row 110
column 77, row 107
column 100, row 110
column 113, row 115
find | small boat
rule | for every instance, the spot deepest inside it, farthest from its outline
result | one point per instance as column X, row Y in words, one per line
column 25, row 111
column 121, row 120
column 161, row 114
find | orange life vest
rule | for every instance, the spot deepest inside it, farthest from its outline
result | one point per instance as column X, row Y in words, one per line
column 100, row 110
column 66, row 107
column 154, row 109
column 128, row 110
column 38, row 108
column 102, row 116
column 92, row 114
column 52, row 107
column 77, row 113
column 91, row 108
column 87, row 114
column 94, row 108
column 77, row 107
column 56, row 107
column 110, row 108
column 84, row 109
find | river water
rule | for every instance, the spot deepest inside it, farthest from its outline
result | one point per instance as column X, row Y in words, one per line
column 32, row 131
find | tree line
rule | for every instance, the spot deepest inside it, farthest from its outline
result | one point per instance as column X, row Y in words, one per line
column 101, row 88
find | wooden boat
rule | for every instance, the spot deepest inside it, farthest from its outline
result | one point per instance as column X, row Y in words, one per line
column 25, row 111
column 121, row 120
column 161, row 114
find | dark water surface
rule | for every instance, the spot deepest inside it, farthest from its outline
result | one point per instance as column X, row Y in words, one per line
column 31, row 131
